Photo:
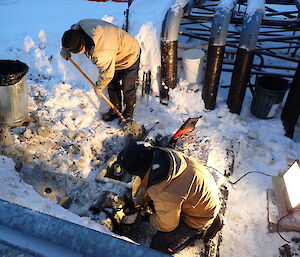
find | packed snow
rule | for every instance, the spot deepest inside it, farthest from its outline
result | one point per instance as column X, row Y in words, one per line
column 69, row 139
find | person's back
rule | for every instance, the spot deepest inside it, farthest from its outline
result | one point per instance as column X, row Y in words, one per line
column 183, row 192
column 117, row 55
column 112, row 42
column 191, row 192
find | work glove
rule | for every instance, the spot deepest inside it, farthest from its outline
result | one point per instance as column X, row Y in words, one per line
column 98, row 89
column 129, row 205
column 145, row 216
column 147, row 211
column 65, row 54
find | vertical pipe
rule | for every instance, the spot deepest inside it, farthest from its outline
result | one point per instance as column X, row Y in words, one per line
column 245, row 55
column 297, row 3
column 291, row 110
column 169, row 42
column 215, row 52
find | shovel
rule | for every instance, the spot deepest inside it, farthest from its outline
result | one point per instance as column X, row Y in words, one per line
column 129, row 126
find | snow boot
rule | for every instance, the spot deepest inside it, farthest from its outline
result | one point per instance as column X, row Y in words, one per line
column 115, row 98
column 128, row 112
column 215, row 227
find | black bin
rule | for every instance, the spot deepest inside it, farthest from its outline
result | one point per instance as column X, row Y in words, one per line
column 268, row 94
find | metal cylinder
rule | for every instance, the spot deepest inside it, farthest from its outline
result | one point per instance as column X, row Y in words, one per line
column 215, row 54
column 291, row 110
column 239, row 80
column 245, row 55
column 169, row 62
column 169, row 42
column 13, row 93
column 212, row 75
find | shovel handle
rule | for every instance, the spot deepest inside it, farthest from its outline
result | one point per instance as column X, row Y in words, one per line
column 97, row 92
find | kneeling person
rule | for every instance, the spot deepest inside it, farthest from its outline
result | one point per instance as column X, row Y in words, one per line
column 183, row 192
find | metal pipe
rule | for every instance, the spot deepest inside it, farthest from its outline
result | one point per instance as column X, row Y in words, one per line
column 268, row 53
column 262, row 73
column 291, row 110
column 169, row 41
column 266, row 66
column 215, row 52
column 245, row 54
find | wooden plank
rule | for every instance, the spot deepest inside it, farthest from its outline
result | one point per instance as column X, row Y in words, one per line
column 273, row 213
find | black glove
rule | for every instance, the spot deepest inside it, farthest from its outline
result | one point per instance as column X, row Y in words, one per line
column 145, row 216
column 129, row 207
column 65, row 54
column 147, row 211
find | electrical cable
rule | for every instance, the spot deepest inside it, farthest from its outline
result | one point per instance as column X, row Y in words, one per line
column 233, row 183
column 262, row 173
column 278, row 223
column 277, row 227
column 259, row 172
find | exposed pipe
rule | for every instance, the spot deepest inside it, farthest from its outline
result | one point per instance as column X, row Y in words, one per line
column 245, row 54
column 215, row 53
column 291, row 110
column 169, row 42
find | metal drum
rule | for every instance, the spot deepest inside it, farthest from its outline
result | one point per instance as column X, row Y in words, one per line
column 13, row 93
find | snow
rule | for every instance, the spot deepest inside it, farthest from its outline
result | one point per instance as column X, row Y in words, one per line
column 68, row 137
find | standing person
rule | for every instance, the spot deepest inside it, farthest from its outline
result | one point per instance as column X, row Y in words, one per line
column 117, row 55
column 182, row 192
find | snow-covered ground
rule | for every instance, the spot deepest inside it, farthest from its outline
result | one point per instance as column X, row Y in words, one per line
column 69, row 139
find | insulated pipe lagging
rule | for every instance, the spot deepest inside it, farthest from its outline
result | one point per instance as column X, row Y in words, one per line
column 220, row 23
column 241, row 73
column 245, row 54
column 213, row 69
column 215, row 54
column 169, row 42
column 169, row 69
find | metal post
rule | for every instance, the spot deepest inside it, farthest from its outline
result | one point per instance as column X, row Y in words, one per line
column 169, row 41
column 291, row 110
column 245, row 55
column 215, row 53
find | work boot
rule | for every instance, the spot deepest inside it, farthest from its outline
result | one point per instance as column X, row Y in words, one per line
column 109, row 116
column 115, row 98
column 128, row 112
column 215, row 227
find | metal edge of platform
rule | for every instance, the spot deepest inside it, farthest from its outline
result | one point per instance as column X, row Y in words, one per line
column 60, row 234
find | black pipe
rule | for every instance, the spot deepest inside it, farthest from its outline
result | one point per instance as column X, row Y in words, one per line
column 169, row 70
column 169, row 62
column 239, row 80
column 235, row 20
column 291, row 110
column 212, row 75
column 260, row 73
column 275, row 55
column 265, row 66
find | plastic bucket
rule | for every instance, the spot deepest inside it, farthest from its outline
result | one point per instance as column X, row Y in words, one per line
column 193, row 60
column 268, row 94
column 13, row 93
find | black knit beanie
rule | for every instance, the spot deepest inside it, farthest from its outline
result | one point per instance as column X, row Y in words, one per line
column 73, row 41
column 136, row 159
